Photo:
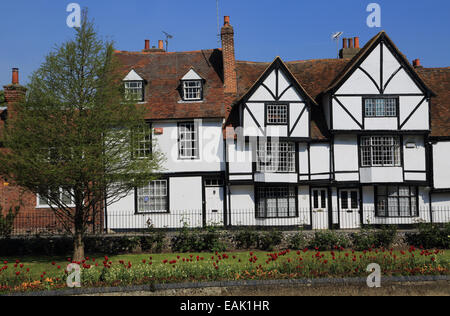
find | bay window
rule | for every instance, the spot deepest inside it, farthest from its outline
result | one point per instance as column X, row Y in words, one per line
column 275, row 157
column 380, row 151
column 396, row 201
column 276, row 202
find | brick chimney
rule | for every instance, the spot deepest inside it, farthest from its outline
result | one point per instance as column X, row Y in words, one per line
column 14, row 92
column 350, row 47
column 417, row 64
column 229, row 61
column 148, row 49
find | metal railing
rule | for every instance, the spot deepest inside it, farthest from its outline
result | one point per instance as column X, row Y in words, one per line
column 128, row 222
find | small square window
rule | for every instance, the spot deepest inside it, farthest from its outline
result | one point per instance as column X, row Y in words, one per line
column 192, row 90
column 277, row 114
column 134, row 91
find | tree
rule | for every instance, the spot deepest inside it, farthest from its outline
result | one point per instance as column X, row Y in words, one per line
column 71, row 140
column 2, row 98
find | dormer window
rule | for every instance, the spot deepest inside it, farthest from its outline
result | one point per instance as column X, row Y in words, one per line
column 192, row 86
column 134, row 87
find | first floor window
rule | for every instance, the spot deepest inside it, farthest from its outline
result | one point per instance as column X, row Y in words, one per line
column 275, row 157
column 276, row 202
column 396, row 201
column 134, row 90
column 380, row 151
column 142, row 142
column 385, row 107
column 188, row 140
column 152, row 198
column 277, row 114
column 58, row 194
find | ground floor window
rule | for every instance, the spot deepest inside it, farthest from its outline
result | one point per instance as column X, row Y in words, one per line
column 276, row 202
column 396, row 201
column 58, row 194
column 153, row 198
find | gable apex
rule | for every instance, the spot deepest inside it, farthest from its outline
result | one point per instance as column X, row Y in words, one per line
column 192, row 75
column 133, row 76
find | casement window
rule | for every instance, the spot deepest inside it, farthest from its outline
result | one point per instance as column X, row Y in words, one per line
column 383, row 107
column 276, row 114
column 59, row 194
column 349, row 201
column 142, row 142
column 134, row 90
column 322, row 202
column 276, row 202
column 153, row 198
column 188, row 144
column 192, row 90
column 275, row 157
column 380, row 151
column 396, row 201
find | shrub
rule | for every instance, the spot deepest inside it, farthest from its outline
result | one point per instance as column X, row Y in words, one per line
column 297, row 241
column 246, row 239
column 186, row 240
column 212, row 241
column 327, row 240
column 366, row 238
column 270, row 240
column 154, row 241
column 7, row 221
column 430, row 236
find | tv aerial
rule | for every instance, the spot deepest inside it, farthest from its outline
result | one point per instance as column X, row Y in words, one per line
column 336, row 37
column 168, row 37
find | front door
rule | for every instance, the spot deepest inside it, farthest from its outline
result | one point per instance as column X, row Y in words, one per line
column 214, row 196
column 349, row 209
column 320, row 208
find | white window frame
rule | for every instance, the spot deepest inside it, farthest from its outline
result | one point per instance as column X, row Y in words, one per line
column 277, row 114
column 46, row 205
column 151, row 192
column 142, row 143
column 194, row 92
column 276, row 157
column 134, row 93
column 188, row 140
column 382, row 151
column 380, row 107
column 397, row 201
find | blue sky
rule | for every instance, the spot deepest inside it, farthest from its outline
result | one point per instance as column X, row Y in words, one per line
column 292, row 29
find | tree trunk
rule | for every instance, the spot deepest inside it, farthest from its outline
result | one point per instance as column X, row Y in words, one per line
column 78, row 247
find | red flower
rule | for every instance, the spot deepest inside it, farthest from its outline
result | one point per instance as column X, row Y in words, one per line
column 28, row 269
column 18, row 272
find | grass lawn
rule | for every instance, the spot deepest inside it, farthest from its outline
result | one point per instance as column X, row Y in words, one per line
column 34, row 273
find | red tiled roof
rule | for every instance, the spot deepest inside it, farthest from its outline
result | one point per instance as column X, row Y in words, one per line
column 163, row 71
column 438, row 79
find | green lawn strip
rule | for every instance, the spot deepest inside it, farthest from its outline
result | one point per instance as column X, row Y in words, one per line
column 237, row 261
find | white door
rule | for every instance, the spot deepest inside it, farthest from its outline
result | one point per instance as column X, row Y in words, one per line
column 349, row 208
column 319, row 208
column 214, row 196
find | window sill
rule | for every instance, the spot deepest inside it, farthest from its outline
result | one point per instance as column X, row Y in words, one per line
column 152, row 213
column 47, row 207
column 190, row 101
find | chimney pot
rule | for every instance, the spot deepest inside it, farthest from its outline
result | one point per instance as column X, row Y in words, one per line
column 226, row 20
column 350, row 43
column 344, row 43
column 356, row 42
column 161, row 44
column 15, row 76
column 416, row 63
column 147, row 44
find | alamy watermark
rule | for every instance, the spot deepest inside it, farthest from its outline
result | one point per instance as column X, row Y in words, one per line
column 374, row 279
column 374, row 18
column 74, row 18
column 74, row 278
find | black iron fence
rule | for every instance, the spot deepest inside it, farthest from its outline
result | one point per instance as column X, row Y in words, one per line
column 128, row 222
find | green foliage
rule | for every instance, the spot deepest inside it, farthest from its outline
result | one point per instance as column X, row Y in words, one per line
column 327, row 240
column 187, row 240
column 430, row 236
column 270, row 240
column 297, row 241
column 367, row 238
column 2, row 98
column 7, row 221
column 246, row 238
column 153, row 241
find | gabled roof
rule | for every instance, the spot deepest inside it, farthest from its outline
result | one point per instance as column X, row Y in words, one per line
column 192, row 75
column 356, row 61
column 133, row 76
column 162, row 71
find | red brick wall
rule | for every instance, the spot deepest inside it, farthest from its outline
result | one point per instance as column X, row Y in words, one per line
column 229, row 60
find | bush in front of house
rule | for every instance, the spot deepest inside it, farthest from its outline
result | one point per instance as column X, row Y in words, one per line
column 297, row 241
column 270, row 240
column 430, row 236
column 327, row 240
column 369, row 238
column 246, row 238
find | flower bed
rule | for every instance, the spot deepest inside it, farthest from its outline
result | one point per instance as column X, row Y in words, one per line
column 139, row 269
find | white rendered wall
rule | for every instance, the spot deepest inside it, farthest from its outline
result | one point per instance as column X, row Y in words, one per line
column 320, row 161
column 441, row 165
column 346, row 157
